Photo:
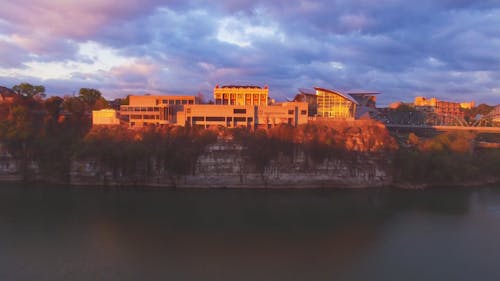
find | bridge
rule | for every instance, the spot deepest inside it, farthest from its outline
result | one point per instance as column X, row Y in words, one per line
column 442, row 128
column 442, row 122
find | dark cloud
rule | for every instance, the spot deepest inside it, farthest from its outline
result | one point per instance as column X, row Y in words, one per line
column 447, row 49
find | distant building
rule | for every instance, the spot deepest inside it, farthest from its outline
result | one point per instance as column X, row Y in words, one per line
column 334, row 104
column 105, row 117
column 241, row 95
column 467, row 105
column 442, row 107
column 423, row 101
column 495, row 113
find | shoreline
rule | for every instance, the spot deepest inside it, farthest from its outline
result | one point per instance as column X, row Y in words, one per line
column 302, row 186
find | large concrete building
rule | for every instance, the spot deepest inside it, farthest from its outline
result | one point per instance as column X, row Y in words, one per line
column 235, row 106
column 291, row 113
column 153, row 110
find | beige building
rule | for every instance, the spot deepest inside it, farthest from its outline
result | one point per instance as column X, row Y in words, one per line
column 105, row 117
column 235, row 106
column 153, row 110
column 292, row 113
column 241, row 95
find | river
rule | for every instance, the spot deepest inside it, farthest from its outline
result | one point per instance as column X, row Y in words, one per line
column 66, row 233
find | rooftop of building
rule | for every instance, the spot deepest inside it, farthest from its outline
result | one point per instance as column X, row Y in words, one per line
column 240, row 86
column 363, row 93
column 348, row 97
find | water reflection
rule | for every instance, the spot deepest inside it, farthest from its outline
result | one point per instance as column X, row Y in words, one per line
column 49, row 233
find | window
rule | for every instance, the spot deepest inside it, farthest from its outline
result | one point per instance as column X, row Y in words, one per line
column 136, row 116
column 303, row 112
column 240, row 119
column 188, row 110
column 239, row 111
column 198, row 118
column 291, row 111
column 164, row 101
column 216, row 119
column 171, row 102
column 177, row 102
column 184, row 102
column 190, row 102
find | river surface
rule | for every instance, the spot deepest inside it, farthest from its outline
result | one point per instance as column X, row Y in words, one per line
column 66, row 233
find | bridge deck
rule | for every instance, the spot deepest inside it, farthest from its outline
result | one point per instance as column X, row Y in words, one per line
column 447, row 128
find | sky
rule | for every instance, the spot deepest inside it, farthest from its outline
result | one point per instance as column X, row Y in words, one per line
column 448, row 49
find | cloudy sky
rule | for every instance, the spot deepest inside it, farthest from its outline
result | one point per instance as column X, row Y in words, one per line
column 449, row 49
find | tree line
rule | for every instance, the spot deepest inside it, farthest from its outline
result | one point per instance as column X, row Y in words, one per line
column 53, row 131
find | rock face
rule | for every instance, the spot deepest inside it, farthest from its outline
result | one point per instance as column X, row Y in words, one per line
column 9, row 167
column 224, row 165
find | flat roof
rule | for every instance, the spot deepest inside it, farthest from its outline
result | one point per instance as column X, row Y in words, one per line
column 240, row 86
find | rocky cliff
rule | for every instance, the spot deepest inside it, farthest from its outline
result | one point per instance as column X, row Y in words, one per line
column 224, row 165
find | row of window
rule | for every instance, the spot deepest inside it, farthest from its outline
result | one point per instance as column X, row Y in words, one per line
column 140, row 108
column 177, row 101
column 219, row 119
column 137, row 116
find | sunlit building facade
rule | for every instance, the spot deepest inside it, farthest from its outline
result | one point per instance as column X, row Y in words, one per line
column 241, row 95
column 334, row 104
column 153, row 110
column 105, row 117
column 252, row 116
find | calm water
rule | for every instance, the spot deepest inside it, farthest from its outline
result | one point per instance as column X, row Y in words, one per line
column 60, row 233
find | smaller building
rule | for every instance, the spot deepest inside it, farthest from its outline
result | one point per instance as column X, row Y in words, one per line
column 495, row 113
column 105, row 117
column 442, row 107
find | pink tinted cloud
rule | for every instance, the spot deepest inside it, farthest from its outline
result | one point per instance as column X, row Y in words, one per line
column 66, row 18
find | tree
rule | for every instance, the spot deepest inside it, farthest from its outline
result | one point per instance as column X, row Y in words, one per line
column 89, row 97
column 101, row 103
column 74, row 106
column 29, row 91
column 53, row 107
